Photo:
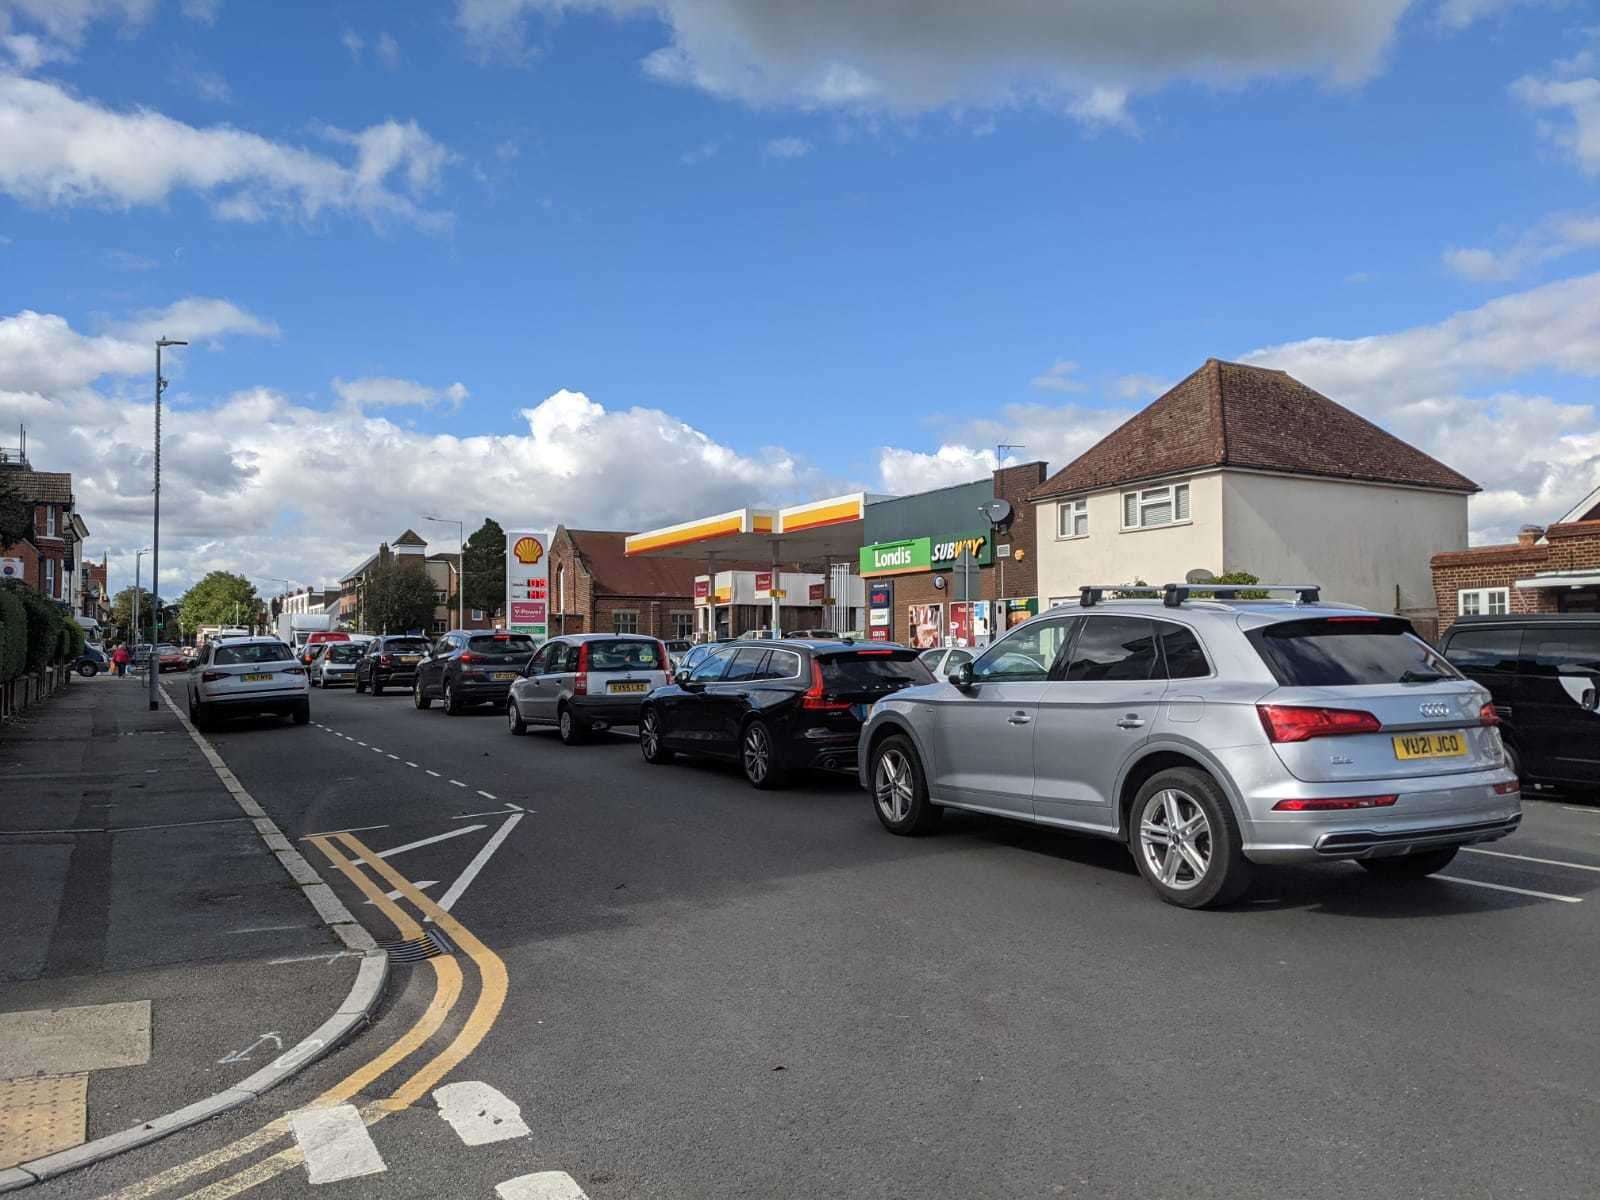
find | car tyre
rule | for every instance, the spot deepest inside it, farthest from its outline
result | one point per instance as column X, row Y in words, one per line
column 88, row 670
column 451, row 702
column 1205, row 864
column 1411, row 866
column 201, row 717
column 514, row 718
column 1513, row 760
column 418, row 699
column 376, row 687
column 758, row 757
column 302, row 713
column 900, row 788
column 360, row 687
column 650, row 742
column 572, row 730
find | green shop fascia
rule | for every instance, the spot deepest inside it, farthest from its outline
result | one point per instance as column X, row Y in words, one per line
column 912, row 555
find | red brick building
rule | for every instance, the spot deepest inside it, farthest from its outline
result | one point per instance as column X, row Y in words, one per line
column 596, row 588
column 1544, row 571
column 48, row 557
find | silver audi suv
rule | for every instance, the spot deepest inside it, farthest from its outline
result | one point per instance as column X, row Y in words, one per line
column 1208, row 734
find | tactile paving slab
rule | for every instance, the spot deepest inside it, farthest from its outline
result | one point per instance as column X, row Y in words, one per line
column 40, row 1115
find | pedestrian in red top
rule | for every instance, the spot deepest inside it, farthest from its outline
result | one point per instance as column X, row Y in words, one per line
column 119, row 659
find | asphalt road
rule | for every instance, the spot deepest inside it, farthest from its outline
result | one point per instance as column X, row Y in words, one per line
column 717, row 992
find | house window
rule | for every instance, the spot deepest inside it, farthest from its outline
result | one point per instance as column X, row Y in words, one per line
column 439, row 627
column 625, row 620
column 1483, row 602
column 1155, row 506
column 477, row 614
column 682, row 625
column 50, row 576
column 1072, row 519
column 50, row 520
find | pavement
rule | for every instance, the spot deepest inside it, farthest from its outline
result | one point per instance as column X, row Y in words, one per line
column 657, row 982
column 158, row 953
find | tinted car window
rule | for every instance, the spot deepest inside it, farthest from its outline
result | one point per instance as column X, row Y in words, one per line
column 516, row 643
column 1565, row 651
column 873, row 670
column 642, row 655
column 343, row 652
column 710, row 667
column 251, row 652
column 555, row 657
column 1181, row 649
column 1340, row 651
column 1109, row 649
column 746, row 664
column 405, row 646
column 1026, row 654
column 781, row 664
column 1485, row 649
column 930, row 658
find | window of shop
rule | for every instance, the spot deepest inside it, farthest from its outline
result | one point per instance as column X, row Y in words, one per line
column 1072, row 519
column 1151, row 507
column 625, row 620
column 682, row 625
column 1483, row 602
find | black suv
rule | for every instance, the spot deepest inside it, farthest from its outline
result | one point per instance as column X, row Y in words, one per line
column 390, row 660
column 1543, row 672
column 471, row 666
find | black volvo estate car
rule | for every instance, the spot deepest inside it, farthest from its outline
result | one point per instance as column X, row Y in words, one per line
column 776, row 706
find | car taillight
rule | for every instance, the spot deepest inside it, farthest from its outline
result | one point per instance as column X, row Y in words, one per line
column 383, row 660
column 468, row 656
column 294, row 670
column 1336, row 805
column 212, row 676
column 1293, row 723
column 1505, row 789
column 814, row 700
column 580, row 683
column 1488, row 716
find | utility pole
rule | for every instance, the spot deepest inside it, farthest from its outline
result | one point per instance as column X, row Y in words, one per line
column 137, row 587
column 155, row 539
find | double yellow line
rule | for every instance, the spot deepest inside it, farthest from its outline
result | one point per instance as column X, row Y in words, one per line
column 447, row 990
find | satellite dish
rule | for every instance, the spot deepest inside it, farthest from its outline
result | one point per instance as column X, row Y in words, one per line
column 1199, row 575
column 998, row 511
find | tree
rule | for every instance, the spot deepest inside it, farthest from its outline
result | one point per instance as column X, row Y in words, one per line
column 122, row 613
column 16, row 515
column 1235, row 577
column 483, row 567
column 399, row 596
column 220, row 598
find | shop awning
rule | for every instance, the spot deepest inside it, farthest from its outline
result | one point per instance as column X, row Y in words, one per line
column 811, row 532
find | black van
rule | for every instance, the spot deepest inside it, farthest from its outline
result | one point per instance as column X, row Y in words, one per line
column 1543, row 671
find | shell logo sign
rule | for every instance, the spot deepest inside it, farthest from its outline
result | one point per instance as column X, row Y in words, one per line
column 528, row 551
column 528, row 583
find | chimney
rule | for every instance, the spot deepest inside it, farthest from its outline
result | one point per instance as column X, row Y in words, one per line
column 1529, row 535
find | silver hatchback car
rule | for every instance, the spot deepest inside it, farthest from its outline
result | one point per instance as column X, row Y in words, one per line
column 587, row 681
column 1208, row 734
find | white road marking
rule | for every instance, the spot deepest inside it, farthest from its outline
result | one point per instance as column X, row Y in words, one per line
column 354, row 829
column 1593, row 812
column 322, row 958
column 487, row 795
column 358, row 742
column 336, row 1143
column 479, row 1114
column 464, row 880
column 435, row 774
column 541, row 1185
column 411, row 764
column 1549, row 862
column 496, row 812
column 428, row 841
column 1500, row 887
column 458, row 783
column 419, row 884
column 396, row 757
column 377, row 750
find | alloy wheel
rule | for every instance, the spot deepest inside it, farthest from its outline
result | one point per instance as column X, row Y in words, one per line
column 757, row 752
column 649, row 736
column 1175, row 839
column 891, row 785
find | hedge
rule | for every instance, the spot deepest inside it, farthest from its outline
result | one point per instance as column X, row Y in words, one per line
column 35, row 632
column 13, row 636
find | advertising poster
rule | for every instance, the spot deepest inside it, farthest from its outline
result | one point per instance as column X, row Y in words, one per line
column 702, row 589
column 880, row 600
column 926, row 623
column 969, row 624
column 816, row 593
column 528, row 583
column 763, row 585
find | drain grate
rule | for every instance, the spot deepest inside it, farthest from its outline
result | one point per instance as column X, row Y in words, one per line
column 429, row 945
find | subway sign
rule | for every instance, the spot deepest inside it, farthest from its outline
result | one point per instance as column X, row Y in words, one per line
column 924, row 554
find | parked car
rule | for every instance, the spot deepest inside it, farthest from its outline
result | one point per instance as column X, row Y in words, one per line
column 246, row 676
column 1544, row 673
column 944, row 659
column 1208, row 735
column 316, row 638
column 691, row 656
column 334, row 664
column 814, row 635
column 389, row 660
column 583, row 682
column 91, row 662
column 776, row 708
column 471, row 666
column 676, row 649
column 170, row 657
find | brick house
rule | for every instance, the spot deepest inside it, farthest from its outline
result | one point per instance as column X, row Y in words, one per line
column 48, row 558
column 1545, row 571
column 596, row 588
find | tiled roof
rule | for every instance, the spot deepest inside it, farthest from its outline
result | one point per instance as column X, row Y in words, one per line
column 49, row 487
column 602, row 551
column 360, row 570
column 410, row 538
column 1233, row 415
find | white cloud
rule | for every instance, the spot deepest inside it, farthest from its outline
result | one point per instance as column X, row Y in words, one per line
column 203, row 11
column 910, row 56
column 902, row 472
column 197, row 319
column 126, row 260
column 60, row 150
column 1458, row 14
column 1062, row 377
column 387, row 50
column 1579, row 99
column 66, row 20
column 28, row 52
column 1553, row 238
column 354, row 43
column 787, row 148
column 1141, row 387
column 387, row 392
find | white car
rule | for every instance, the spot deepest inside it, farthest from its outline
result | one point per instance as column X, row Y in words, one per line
column 245, row 676
column 944, row 659
column 335, row 663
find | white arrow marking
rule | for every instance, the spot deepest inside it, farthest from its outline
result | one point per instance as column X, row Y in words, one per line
column 235, row 1056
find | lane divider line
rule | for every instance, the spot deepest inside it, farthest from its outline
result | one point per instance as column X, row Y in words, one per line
column 1500, row 887
column 1549, row 862
column 458, row 783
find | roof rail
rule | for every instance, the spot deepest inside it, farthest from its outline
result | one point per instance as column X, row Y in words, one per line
column 1091, row 594
column 1174, row 594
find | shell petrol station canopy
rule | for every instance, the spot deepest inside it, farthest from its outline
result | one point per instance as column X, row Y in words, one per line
column 818, row 530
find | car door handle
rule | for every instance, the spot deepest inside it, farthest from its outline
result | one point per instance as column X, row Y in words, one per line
column 1131, row 722
column 1019, row 718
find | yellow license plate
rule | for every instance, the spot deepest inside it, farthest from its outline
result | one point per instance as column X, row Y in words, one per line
column 1429, row 745
column 257, row 678
column 408, row 658
column 502, row 676
column 629, row 687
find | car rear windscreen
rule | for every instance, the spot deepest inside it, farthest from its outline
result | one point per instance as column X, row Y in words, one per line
column 344, row 652
column 251, row 652
column 641, row 655
column 873, row 671
column 515, row 644
column 1341, row 651
column 405, row 646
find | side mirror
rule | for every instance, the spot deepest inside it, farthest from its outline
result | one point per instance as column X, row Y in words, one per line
column 1591, row 699
column 961, row 677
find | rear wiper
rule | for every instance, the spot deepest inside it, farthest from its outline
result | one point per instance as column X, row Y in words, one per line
column 1421, row 677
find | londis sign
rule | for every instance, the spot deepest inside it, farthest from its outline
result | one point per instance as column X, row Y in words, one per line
column 923, row 554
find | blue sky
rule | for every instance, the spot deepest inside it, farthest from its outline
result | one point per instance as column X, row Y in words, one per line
column 757, row 261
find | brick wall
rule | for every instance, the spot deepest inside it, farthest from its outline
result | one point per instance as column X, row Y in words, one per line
column 1571, row 547
column 565, row 564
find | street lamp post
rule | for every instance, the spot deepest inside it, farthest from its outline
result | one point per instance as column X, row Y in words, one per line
column 138, row 557
column 461, row 568
column 155, row 537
